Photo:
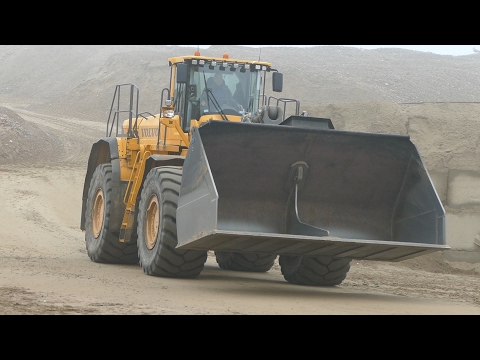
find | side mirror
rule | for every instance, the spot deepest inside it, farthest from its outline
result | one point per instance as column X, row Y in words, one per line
column 277, row 82
column 181, row 73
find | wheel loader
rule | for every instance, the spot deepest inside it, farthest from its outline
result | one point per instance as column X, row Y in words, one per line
column 236, row 177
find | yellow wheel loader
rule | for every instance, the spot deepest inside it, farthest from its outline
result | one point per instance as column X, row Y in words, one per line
column 231, row 173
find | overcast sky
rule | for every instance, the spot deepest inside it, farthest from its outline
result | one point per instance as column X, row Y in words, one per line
column 455, row 50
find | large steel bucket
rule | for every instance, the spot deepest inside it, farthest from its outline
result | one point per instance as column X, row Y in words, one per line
column 302, row 188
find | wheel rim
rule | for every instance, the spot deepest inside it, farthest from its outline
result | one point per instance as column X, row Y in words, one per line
column 97, row 213
column 151, row 225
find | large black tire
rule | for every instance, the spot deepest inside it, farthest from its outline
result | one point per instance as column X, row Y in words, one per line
column 102, row 243
column 314, row 271
column 157, row 228
column 252, row 262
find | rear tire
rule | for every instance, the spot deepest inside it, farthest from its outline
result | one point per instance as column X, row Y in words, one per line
column 252, row 262
column 314, row 271
column 157, row 228
column 102, row 243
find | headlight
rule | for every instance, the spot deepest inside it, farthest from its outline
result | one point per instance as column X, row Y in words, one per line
column 168, row 114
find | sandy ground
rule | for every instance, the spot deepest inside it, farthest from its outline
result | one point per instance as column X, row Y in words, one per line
column 44, row 268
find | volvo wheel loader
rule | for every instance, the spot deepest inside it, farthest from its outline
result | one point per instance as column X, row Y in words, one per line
column 236, row 176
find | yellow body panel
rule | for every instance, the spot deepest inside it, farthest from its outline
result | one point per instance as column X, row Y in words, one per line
column 149, row 131
column 156, row 135
column 205, row 118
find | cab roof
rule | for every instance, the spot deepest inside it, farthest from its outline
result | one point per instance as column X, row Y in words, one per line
column 225, row 58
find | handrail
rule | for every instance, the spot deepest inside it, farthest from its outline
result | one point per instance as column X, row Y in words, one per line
column 285, row 101
column 111, row 122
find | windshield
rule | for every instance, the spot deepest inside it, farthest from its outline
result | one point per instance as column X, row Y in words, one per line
column 228, row 88
column 216, row 89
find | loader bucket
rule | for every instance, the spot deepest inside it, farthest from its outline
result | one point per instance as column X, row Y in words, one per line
column 307, row 191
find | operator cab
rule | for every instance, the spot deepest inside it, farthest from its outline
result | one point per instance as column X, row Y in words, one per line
column 219, row 88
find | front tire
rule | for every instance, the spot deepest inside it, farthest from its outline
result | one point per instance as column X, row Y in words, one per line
column 251, row 262
column 314, row 271
column 102, row 242
column 157, row 228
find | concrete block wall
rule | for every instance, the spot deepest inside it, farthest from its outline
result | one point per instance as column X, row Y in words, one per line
column 459, row 192
column 448, row 138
